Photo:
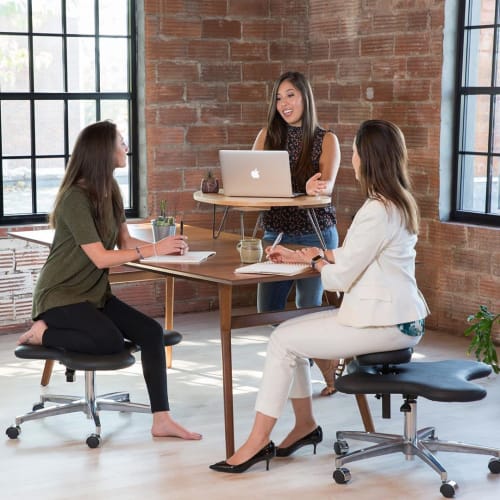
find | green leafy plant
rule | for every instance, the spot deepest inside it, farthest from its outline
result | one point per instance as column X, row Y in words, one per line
column 163, row 219
column 482, row 343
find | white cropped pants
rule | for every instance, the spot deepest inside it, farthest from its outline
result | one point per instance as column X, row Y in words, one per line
column 317, row 335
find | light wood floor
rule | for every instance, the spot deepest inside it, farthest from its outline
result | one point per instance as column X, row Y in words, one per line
column 50, row 460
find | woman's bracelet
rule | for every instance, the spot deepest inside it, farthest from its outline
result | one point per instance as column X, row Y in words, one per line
column 138, row 250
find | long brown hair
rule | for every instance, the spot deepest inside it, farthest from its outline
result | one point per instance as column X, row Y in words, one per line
column 91, row 168
column 384, row 168
column 277, row 127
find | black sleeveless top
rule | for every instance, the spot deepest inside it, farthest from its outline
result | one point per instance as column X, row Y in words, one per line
column 293, row 220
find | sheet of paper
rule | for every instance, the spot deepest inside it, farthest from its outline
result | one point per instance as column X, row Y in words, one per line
column 272, row 268
column 189, row 258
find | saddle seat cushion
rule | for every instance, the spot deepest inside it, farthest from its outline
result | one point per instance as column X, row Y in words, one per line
column 447, row 380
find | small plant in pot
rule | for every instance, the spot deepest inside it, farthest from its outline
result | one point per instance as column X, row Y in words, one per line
column 209, row 184
column 483, row 342
column 163, row 225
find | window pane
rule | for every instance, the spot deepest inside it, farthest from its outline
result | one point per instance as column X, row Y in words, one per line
column 15, row 128
column 49, row 173
column 113, row 63
column 80, row 114
column 14, row 63
column 49, row 127
column 496, row 126
column 478, row 51
column 479, row 12
column 16, row 187
column 47, row 16
column 80, row 17
column 116, row 111
column 474, row 126
column 81, row 65
column 113, row 17
column 123, row 179
column 495, row 192
column 473, row 184
column 13, row 15
column 47, row 56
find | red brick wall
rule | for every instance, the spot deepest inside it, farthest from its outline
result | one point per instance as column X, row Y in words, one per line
column 384, row 61
column 209, row 75
column 209, row 67
column 209, row 70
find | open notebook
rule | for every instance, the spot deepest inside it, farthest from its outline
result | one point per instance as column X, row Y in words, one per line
column 268, row 267
column 188, row 258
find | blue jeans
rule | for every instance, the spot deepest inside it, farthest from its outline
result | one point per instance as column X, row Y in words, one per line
column 308, row 292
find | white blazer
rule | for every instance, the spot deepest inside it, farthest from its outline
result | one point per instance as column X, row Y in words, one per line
column 375, row 268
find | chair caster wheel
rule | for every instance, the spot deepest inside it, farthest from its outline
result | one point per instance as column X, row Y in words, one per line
column 494, row 465
column 13, row 431
column 93, row 441
column 37, row 406
column 448, row 489
column 340, row 447
column 341, row 475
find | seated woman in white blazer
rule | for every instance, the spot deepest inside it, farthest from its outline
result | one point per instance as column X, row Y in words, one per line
column 382, row 308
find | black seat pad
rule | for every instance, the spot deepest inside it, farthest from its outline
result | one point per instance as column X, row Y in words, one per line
column 438, row 381
column 81, row 361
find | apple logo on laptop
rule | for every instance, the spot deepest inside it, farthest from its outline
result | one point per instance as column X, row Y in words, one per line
column 255, row 174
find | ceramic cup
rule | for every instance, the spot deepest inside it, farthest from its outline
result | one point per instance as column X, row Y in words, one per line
column 250, row 250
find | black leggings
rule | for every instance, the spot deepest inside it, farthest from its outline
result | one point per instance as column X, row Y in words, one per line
column 84, row 328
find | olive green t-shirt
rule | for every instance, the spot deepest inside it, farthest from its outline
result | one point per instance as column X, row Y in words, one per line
column 69, row 276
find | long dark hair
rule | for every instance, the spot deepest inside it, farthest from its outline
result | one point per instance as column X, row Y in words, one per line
column 91, row 168
column 384, row 168
column 277, row 127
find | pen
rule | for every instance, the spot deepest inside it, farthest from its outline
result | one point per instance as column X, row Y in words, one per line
column 276, row 241
column 182, row 227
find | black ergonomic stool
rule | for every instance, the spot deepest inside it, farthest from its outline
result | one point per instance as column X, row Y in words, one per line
column 90, row 404
column 391, row 372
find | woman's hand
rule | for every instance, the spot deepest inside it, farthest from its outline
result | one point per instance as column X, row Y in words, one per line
column 308, row 253
column 280, row 254
column 172, row 245
column 314, row 186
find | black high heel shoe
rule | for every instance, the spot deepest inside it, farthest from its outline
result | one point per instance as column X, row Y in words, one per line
column 314, row 437
column 268, row 452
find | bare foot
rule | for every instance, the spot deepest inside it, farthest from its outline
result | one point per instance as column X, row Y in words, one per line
column 34, row 335
column 165, row 426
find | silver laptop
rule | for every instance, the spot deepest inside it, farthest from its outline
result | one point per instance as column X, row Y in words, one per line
column 256, row 173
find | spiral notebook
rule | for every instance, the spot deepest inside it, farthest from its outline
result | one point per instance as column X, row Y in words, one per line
column 188, row 258
column 268, row 267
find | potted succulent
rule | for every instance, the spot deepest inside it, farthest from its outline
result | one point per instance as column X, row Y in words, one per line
column 483, row 339
column 163, row 225
column 209, row 184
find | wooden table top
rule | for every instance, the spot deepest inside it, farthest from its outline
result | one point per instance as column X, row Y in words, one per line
column 218, row 268
column 245, row 201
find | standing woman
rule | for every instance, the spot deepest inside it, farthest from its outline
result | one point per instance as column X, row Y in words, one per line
column 382, row 309
column 314, row 152
column 73, row 306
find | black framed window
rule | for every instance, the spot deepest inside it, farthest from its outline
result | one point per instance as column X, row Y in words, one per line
column 63, row 65
column 477, row 151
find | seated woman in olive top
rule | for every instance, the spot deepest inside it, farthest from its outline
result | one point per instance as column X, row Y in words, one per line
column 73, row 306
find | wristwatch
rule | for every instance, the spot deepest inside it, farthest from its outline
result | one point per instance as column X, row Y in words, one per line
column 315, row 260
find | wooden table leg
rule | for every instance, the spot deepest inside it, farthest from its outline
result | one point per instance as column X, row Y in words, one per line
column 225, row 312
column 47, row 372
column 169, row 314
column 364, row 411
